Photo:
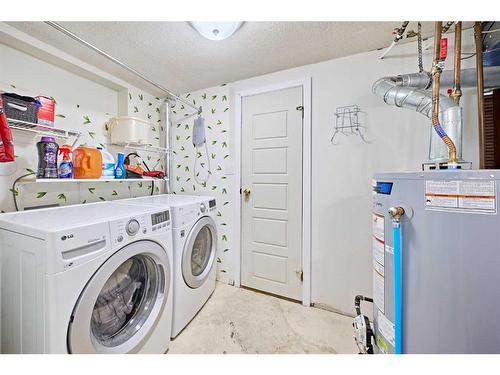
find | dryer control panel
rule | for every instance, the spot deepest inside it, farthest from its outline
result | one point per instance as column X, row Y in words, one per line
column 140, row 226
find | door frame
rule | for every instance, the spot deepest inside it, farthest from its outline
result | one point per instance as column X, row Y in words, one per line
column 305, row 84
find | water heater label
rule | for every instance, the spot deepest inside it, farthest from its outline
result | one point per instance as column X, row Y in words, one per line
column 385, row 327
column 474, row 196
column 378, row 249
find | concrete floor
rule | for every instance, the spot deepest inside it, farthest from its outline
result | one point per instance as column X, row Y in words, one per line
column 237, row 320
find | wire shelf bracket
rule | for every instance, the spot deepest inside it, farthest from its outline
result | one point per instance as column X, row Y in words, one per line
column 145, row 148
column 43, row 129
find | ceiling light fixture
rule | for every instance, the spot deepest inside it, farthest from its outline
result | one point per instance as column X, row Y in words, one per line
column 216, row 30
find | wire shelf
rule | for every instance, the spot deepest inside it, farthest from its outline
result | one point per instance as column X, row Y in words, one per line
column 144, row 148
column 33, row 180
column 42, row 129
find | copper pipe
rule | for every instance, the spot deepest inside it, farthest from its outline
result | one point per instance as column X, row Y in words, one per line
column 457, row 90
column 478, row 37
column 436, row 73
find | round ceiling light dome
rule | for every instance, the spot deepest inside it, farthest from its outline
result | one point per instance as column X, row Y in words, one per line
column 216, row 30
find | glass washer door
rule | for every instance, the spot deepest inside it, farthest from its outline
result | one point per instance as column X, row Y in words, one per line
column 199, row 252
column 122, row 302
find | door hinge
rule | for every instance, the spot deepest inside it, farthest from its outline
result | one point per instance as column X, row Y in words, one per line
column 300, row 108
column 300, row 275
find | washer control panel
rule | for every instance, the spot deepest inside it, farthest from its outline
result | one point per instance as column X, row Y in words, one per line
column 184, row 214
column 132, row 227
column 212, row 204
column 138, row 227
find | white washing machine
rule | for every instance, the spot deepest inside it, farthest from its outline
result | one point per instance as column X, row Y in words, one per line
column 94, row 278
column 194, row 233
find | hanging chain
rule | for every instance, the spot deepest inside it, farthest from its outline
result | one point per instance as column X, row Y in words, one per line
column 419, row 44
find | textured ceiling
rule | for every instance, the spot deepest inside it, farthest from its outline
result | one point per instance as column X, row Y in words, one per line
column 176, row 56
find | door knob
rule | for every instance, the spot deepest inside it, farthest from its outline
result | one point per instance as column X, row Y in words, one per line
column 246, row 192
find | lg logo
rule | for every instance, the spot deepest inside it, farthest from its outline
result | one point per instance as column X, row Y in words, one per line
column 66, row 237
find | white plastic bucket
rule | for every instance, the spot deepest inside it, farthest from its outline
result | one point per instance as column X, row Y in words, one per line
column 132, row 130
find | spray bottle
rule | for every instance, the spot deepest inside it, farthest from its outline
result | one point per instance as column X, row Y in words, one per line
column 66, row 166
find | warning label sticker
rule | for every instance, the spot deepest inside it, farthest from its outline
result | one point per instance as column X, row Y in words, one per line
column 385, row 327
column 378, row 248
column 461, row 195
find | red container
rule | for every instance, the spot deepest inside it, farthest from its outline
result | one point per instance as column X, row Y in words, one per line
column 444, row 49
column 47, row 111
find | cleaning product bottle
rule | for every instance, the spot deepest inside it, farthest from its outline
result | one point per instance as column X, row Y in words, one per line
column 108, row 164
column 120, row 171
column 65, row 166
column 87, row 162
column 47, row 157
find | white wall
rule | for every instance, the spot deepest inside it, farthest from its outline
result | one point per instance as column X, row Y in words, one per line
column 341, row 184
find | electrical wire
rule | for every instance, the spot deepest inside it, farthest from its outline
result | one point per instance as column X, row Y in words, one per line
column 491, row 31
column 419, row 46
column 198, row 180
column 468, row 57
column 472, row 54
column 14, row 191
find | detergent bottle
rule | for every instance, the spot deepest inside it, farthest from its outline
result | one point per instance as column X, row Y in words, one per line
column 108, row 164
column 66, row 166
column 120, row 171
column 47, row 157
column 87, row 162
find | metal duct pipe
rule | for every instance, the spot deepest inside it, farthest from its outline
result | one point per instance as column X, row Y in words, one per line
column 395, row 92
column 402, row 91
column 468, row 78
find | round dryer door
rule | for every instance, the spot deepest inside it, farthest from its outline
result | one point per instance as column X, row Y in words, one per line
column 122, row 302
column 199, row 252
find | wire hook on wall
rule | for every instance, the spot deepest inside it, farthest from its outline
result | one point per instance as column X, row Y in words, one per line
column 347, row 122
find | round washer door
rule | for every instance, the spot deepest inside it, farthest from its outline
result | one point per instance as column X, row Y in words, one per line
column 122, row 302
column 199, row 252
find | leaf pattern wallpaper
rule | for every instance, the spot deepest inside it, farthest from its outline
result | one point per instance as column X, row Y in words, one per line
column 215, row 104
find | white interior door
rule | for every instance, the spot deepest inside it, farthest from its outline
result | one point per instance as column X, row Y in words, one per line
column 271, row 207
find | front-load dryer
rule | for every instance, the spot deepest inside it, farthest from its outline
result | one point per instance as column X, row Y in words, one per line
column 194, row 235
column 94, row 278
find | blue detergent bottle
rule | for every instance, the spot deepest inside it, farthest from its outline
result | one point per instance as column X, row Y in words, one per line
column 120, row 171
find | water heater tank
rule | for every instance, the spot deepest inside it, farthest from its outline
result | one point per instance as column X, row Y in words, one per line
column 450, row 262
